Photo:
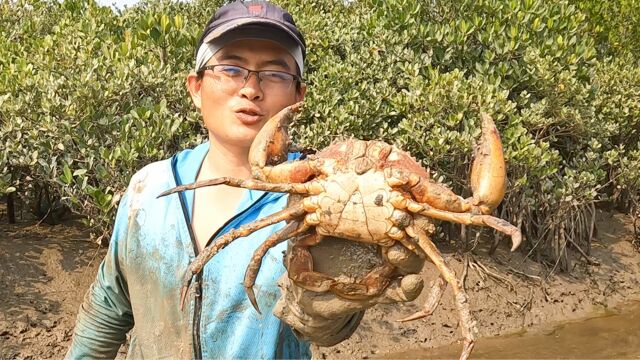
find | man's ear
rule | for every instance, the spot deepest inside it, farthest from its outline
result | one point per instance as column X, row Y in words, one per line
column 194, row 84
column 300, row 92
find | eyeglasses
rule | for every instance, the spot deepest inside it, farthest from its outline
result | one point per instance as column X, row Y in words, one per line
column 234, row 77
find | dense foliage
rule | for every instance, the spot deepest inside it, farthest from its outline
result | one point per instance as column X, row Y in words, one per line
column 88, row 95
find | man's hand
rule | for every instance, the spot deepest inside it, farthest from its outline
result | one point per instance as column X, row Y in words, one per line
column 326, row 319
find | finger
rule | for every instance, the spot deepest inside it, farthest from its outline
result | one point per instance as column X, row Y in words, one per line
column 402, row 290
column 432, row 300
column 404, row 259
column 327, row 304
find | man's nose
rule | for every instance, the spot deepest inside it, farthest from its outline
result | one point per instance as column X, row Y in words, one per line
column 251, row 88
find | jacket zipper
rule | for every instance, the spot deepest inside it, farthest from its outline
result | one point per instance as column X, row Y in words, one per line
column 197, row 312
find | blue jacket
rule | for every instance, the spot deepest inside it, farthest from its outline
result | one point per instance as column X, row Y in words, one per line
column 140, row 279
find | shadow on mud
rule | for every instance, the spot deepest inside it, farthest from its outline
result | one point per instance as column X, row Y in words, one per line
column 44, row 272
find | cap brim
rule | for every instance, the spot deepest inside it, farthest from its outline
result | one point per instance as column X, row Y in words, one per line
column 237, row 23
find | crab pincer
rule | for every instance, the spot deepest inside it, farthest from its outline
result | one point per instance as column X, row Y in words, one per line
column 488, row 172
column 271, row 144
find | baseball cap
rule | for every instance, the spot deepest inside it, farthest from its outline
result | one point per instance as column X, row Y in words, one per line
column 250, row 20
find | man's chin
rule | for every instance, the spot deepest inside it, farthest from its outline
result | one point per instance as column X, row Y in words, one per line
column 242, row 137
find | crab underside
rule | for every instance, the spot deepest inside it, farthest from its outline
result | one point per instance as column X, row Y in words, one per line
column 364, row 191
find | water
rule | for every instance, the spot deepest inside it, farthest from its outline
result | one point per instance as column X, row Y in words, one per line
column 614, row 335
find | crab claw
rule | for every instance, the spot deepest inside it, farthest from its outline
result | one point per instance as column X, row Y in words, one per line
column 271, row 145
column 488, row 172
column 252, row 298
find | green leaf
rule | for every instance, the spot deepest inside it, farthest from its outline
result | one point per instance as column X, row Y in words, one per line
column 155, row 34
column 178, row 21
column 164, row 23
column 66, row 176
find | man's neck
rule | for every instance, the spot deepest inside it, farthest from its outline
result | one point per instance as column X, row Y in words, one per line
column 224, row 160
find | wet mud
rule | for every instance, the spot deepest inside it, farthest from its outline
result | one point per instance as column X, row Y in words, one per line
column 46, row 270
column 521, row 298
column 609, row 334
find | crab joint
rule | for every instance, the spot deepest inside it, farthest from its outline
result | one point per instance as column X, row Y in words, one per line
column 310, row 204
column 312, row 219
column 395, row 177
column 400, row 218
column 395, row 233
column 398, row 201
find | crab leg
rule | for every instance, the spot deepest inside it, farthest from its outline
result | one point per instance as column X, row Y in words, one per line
column 432, row 301
column 306, row 188
column 300, row 268
column 197, row 265
column 427, row 191
column 463, row 218
column 488, row 178
column 461, row 300
column 297, row 171
column 373, row 284
column 299, row 264
column 289, row 231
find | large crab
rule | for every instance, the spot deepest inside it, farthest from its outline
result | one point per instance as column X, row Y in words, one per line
column 365, row 191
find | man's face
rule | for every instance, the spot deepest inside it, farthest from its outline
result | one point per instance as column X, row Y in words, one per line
column 233, row 116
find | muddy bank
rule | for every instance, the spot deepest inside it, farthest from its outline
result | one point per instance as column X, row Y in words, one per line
column 517, row 299
column 611, row 334
column 45, row 271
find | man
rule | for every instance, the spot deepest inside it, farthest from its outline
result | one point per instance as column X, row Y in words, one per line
column 249, row 64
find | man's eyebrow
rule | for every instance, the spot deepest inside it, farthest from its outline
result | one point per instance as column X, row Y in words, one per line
column 273, row 62
column 277, row 62
column 232, row 57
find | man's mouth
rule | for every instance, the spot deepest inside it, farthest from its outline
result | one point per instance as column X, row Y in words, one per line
column 249, row 115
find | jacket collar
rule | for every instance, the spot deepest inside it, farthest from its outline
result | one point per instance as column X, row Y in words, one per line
column 186, row 165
